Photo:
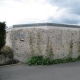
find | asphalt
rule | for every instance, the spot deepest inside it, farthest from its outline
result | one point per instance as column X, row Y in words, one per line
column 67, row 71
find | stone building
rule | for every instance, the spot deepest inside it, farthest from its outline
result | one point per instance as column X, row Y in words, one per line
column 47, row 39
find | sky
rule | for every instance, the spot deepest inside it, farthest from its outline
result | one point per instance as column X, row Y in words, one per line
column 40, row 11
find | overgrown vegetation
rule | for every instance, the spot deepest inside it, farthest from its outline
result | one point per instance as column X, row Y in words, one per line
column 39, row 60
column 2, row 34
column 70, row 49
column 7, row 52
column 38, row 43
column 79, row 42
column 49, row 49
column 31, row 44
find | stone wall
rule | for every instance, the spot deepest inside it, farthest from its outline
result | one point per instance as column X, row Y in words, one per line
column 57, row 42
column 2, row 59
column 9, row 38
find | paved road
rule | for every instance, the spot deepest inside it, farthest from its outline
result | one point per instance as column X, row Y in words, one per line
column 67, row 71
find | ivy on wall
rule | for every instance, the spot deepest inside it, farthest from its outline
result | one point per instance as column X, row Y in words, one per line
column 79, row 42
column 71, row 48
column 31, row 44
column 49, row 49
column 38, row 43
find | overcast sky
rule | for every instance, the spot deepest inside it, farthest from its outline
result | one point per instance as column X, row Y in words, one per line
column 40, row 11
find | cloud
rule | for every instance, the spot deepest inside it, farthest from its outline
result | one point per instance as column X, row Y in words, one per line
column 66, row 18
column 35, row 11
column 72, row 8
column 25, row 11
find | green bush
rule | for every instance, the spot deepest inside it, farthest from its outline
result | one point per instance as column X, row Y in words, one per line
column 39, row 60
column 78, row 58
column 35, row 60
column 47, row 61
column 56, row 61
column 7, row 52
column 71, row 59
column 2, row 34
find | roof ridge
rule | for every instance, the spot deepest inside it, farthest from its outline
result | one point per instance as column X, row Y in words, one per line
column 46, row 24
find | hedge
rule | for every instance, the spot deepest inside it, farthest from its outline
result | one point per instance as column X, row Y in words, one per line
column 2, row 34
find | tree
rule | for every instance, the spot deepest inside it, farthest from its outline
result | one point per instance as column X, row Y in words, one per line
column 2, row 34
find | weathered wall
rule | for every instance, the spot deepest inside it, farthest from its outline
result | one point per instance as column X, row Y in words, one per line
column 61, row 42
column 9, row 38
column 2, row 59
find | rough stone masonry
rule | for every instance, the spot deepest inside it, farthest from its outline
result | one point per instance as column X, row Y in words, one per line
column 28, row 40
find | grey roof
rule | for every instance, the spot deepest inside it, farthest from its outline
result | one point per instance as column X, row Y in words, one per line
column 46, row 24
